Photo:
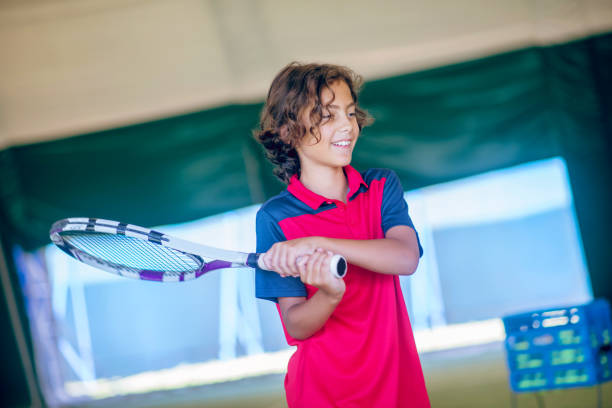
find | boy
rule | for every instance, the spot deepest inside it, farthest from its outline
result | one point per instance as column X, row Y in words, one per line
column 355, row 346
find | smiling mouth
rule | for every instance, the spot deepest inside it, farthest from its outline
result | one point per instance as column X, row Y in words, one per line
column 344, row 143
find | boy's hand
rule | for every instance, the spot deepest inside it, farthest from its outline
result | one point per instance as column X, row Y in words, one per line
column 283, row 256
column 314, row 271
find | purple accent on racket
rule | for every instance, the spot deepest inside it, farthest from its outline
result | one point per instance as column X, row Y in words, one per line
column 141, row 253
column 211, row 266
column 157, row 276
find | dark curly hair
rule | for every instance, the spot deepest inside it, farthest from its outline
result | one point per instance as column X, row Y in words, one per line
column 296, row 88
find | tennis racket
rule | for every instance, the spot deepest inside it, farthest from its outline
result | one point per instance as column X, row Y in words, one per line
column 141, row 253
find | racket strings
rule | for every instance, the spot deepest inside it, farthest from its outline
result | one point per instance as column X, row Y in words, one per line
column 133, row 252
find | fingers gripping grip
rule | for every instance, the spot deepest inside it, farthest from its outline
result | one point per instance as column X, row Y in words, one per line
column 337, row 266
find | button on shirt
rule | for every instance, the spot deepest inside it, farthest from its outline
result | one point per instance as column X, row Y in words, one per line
column 364, row 355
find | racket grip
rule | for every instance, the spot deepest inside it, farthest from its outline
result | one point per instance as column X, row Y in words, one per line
column 337, row 265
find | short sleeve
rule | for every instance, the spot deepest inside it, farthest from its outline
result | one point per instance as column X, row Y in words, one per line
column 394, row 209
column 270, row 285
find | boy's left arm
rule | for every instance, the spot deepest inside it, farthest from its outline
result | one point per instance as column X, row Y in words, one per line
column 396, row 254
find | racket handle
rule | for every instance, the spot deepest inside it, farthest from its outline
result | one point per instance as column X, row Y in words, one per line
column 337, row 265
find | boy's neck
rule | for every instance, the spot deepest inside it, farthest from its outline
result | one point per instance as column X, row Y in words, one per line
column 328, row 182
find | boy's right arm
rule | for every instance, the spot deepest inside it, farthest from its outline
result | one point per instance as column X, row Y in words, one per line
column 304, row 317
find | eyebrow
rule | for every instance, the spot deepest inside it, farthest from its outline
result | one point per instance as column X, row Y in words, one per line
column 350, row 105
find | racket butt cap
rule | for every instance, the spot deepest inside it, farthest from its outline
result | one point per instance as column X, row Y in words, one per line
column 338, row 266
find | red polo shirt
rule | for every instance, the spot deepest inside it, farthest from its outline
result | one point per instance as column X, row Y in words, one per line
column 364, row 356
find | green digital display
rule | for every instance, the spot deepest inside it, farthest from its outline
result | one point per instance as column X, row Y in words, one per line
column 531, row 380
column 526, row 360
column 567, row 356
column 572, row 376
column 569, row 337
column 519, row 343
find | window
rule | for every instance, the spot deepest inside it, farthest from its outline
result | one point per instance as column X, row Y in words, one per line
column 497, row 243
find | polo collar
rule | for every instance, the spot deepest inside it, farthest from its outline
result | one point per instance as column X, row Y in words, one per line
column 314, row 200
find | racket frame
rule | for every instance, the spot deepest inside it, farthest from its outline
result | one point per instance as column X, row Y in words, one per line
column 221, row 258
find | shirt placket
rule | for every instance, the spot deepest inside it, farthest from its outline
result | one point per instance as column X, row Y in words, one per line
column 345, row 215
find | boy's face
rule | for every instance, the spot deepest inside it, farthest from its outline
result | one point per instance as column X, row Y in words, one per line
column 338, row 131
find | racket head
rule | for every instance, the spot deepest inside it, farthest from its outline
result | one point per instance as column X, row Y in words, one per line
column 127, row 250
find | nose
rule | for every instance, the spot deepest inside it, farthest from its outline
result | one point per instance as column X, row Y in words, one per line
column 346, row 124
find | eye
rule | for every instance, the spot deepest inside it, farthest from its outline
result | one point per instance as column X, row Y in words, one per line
column 352, row 114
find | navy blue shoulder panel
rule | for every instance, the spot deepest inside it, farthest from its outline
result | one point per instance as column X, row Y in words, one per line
column 394, row 209
column 368, row 176
column 270, row 285
column 375, row 174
